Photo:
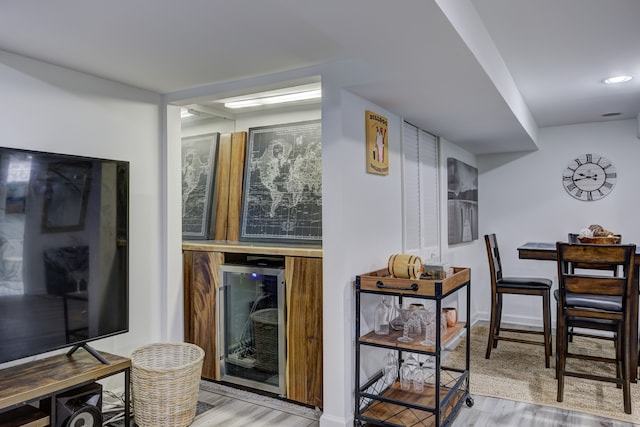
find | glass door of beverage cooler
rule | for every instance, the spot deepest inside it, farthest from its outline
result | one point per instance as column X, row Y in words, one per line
column 251, row 334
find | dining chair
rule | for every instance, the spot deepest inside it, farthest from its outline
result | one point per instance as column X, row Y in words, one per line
column 599, row 302
column 501, row 285
column 573, row 238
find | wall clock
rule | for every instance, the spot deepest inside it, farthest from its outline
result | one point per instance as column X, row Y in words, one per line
column 589, row 177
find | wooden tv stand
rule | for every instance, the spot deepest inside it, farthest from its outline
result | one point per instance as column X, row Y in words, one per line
column 44, row 379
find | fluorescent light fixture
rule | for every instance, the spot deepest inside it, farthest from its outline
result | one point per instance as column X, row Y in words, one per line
column 186, row 112
column 277, row 99
column 617, row 79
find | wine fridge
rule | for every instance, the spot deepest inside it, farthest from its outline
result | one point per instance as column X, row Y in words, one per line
column 251, row 333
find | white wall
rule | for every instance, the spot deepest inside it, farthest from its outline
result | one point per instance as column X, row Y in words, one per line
column 48, row 108
column 362, row 226
column 522, row 200
column 470, row 254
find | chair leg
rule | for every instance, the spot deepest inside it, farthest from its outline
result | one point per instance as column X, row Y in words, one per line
column 619, row 355
column 546, row 313
column 498, row 319
column 626, row 368
column 561, row 335
column 492, row 326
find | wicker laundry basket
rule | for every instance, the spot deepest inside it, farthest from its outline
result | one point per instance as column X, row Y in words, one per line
column 265, row 338
column 165, row 380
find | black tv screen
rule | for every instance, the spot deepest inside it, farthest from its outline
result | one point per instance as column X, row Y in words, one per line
column 63, row 251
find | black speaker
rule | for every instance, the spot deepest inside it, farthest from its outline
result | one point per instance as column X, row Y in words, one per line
column 80, row 407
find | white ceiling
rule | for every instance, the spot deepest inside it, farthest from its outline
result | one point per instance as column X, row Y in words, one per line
column 484, row 74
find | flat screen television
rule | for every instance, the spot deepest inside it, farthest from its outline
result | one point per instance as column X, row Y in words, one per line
column 63, row 251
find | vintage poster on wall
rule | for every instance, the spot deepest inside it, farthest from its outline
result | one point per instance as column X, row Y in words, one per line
column 199, row 155
column 462, row 201
column 282, row 196
column 377, row 144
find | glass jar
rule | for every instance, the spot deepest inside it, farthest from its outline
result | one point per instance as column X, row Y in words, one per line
column 381, row 317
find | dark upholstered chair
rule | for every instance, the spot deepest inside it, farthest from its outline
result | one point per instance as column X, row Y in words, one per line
column 596, row 302
column 501, row 285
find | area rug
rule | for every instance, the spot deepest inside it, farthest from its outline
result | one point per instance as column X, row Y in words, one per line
column 516, row 372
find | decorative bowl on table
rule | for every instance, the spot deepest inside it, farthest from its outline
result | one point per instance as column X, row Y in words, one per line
column 601, row 240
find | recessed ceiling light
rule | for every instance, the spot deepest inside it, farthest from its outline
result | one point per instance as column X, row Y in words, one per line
column 617, row 79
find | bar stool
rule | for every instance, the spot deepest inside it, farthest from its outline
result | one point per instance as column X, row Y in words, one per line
column 501, row 285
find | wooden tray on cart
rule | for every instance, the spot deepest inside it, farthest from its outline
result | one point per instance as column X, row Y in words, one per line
column 407, row 287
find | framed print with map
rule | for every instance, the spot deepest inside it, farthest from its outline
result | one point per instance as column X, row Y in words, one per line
column 282, row 196
column 198, row 185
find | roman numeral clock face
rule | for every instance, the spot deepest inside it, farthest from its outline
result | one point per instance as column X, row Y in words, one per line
column 589, row 177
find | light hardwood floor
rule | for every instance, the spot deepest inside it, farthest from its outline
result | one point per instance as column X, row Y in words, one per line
column 490, row 412
column 238, row 408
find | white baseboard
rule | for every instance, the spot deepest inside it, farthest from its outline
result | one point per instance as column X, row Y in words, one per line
column 327, row 420
column 515, row 320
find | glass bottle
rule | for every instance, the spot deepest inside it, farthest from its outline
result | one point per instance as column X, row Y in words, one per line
column 381, row 318
column 397, row 317
column 390, row 369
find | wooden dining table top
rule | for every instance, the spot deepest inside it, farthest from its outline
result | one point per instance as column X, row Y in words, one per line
column 547, row 251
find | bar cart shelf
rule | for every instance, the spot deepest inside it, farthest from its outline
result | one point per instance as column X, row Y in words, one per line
column 382, row 402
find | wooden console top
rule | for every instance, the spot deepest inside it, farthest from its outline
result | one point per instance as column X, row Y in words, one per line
column 43, row 377
column 248, row 248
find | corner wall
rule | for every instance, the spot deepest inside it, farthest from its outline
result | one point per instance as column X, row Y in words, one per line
column 362, row 226
column 522, row 199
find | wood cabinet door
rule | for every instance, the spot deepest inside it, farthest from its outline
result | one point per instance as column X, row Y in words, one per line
column 201, row 282
column 304, row 329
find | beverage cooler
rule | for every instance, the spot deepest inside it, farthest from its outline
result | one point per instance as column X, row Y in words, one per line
column 251, row 333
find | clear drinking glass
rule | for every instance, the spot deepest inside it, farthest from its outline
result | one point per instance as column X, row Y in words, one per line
column 417, row 379
column 405, row 377
column 412, row 325
column 406, row 372
column 429, row 323
column 429, row 370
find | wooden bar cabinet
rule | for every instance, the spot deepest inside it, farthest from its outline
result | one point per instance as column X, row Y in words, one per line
column 303, row 292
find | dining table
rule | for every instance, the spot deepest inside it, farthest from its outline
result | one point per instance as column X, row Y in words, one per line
column 547, row 251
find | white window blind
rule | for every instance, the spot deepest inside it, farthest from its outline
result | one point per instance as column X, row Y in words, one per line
column 420, row 191
column 411, row 190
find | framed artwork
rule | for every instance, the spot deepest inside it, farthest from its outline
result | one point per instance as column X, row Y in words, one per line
column 462, row 201
column 66, row 195
column 199, row 155
column 377, row 143
column 282, row 195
